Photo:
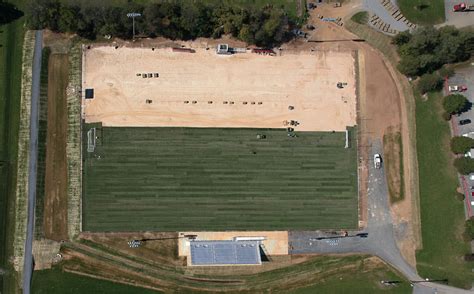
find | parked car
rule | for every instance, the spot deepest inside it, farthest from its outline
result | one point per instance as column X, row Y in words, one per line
column 457, row 88
column 464, row 121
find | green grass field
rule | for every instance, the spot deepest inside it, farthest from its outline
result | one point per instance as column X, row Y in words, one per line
column 359, row 283
column 57, row 282
column 442, row 215
column 424, row 12
column 11, row 39
column 172, row 179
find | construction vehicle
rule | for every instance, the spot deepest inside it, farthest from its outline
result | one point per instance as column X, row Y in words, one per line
column 377, row 161
column 463, row 7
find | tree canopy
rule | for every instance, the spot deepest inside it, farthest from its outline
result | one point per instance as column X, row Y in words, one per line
column 464, row 165
column 455, row 103
column 461, row 145
column 172, row 19
column 469, row 229
column 429, row 82
column 428, row 49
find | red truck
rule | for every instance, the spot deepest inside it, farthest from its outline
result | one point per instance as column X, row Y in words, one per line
column 463, row 7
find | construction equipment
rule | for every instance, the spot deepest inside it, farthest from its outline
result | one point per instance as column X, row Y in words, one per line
column 263, row 51
column 461, row 7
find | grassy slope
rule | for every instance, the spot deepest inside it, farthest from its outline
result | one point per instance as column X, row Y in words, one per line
column 366, row 282
column 442, row 215
column 349, row 274
column 11, row 38
column 432, row 14
column 57, row 282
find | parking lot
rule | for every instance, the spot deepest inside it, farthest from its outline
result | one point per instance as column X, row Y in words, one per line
column 458, row 19
column 465, row 77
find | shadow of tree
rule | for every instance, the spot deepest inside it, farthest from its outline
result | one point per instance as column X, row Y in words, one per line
column 9, row 13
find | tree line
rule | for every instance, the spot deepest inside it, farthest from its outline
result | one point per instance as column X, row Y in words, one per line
column 171, row 19
column 427, row 49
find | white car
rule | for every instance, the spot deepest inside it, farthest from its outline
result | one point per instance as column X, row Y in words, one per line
column 377, row 160
column 453, row 88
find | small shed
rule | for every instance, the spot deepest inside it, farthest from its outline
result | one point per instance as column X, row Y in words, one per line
column 89, row 93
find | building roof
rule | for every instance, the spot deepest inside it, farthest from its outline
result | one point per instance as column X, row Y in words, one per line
column 225, row 253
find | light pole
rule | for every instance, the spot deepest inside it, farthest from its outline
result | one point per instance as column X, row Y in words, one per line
column 132, row 15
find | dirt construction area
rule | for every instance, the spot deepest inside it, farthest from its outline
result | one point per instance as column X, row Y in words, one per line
column 203, row 89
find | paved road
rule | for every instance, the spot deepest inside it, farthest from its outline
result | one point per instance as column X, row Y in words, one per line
column 380, row 240
column 457, row 19
column 33, row 153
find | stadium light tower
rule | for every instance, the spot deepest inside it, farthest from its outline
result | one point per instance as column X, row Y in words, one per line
column 132, row 15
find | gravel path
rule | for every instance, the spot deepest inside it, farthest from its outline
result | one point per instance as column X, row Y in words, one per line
column 33, row 152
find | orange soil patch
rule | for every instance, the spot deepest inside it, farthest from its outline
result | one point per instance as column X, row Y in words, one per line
column 240, row 90
column 55, row 202
column 276, row 242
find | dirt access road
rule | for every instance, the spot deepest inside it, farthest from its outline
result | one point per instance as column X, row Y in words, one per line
column 382, row 111
column 55, row 202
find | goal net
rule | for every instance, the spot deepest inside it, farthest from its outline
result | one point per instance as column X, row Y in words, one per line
column 91, row 140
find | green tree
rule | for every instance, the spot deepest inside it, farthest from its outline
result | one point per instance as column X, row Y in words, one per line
column 68, row 18
column 446, row 72
column 469, row 229
column 429, row 82
column 402, row 38
column 461, row 145
column 455, row 103
column 464, row 165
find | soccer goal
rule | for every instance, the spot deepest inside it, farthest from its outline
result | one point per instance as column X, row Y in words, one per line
column 347, row 139
column 91, row 140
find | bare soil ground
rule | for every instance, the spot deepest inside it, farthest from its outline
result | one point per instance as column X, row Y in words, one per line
column 55, row 203
column 394, row 164
column 204, row 89
column 45, row 252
